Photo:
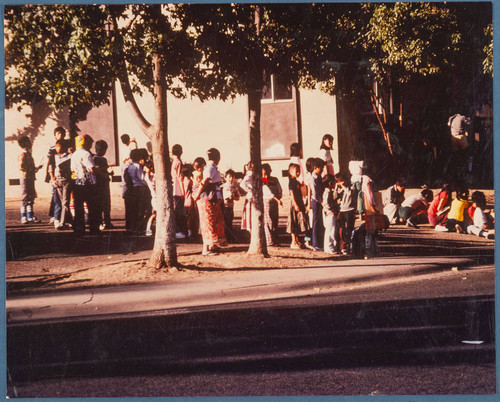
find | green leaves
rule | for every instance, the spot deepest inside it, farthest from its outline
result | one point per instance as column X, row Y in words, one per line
column 59, row 53
column 410, row 38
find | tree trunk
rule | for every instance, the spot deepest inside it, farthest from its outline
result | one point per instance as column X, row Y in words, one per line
column 258, row 243
column 164, row 251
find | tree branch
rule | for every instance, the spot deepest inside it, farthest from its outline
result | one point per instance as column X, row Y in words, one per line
column 125, row 83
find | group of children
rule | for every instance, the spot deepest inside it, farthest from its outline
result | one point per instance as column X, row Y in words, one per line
column 322, row 208
column 443, row 213
column 323, row 205
column 79, row 180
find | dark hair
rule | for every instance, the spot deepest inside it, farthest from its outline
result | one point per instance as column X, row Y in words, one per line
column 213, row 154
column 199, row 162
column 318, row 163
column 24, row 142
column 248, row 167
column 326, row 137
column 135, row 155
column 293, row 165
column 329, row 180
column 143, row 154
column 401, row 182
column 101, row 145
column 295, row 149
column 177, row 150
column 479, row 198
column 428, row 194
column 309, row 164
column 341, row 176
column 125, row 139
column 63, row 144
column 448, row 188
column 462, row 193
column 187, row 170
column 267, row 168
column 60, row 130
column 230, row 172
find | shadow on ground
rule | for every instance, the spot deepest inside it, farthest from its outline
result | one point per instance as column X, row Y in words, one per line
column 253, row 339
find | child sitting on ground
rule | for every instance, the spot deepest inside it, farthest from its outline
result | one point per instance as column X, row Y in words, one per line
column 456, row 216
column 481, row 221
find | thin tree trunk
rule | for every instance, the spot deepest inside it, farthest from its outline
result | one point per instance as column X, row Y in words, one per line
column 386, row 135
column 164, row 252
column 258, row 243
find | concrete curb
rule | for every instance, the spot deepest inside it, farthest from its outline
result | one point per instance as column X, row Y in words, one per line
column 167, row 298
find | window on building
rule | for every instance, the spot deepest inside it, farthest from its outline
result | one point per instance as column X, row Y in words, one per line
column 275, row 91
column 279, row 123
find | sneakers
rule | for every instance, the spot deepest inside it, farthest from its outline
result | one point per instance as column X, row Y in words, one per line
column 106, row 226
column 149, row 233
column 24, row 221
column 180, row 235
column 488, row 235
column 458, row 228
column 51, row 220
column 440, row 228
column 344, row 251
column 34, row 220
column 410, row 224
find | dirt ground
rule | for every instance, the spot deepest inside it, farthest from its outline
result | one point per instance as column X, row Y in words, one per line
column 40, row 258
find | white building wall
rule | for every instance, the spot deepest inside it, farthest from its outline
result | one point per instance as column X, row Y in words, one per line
column 196, row 126
column 319, row 117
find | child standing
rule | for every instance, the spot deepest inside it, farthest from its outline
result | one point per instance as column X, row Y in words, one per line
column 63, row 183
column 316, row 197
column 149, row 177
column 297, row 220
column 28, row 173
column 246, row 185
column 272, row 194
column 356, row 170
column 179, row 193
column 230, row 193
column 346, row 194
column 102, row 185
column 325, row 153
column 130, row 144
column 295, row 157
column 481, row 223
column 139, row 189
column 189, row 204
column 127, row 193
column 306, row 188
column 330, row 210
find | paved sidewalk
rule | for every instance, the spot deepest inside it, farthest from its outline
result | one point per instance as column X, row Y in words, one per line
column 178, row 296
column 405, row 252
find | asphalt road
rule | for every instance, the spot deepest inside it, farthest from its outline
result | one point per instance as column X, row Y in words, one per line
column 432, row 334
